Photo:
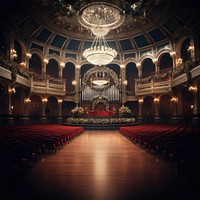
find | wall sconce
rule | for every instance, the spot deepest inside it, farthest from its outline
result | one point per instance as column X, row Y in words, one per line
column 141, row 100
column 172, row 54
column 156, row 100
column 23, row 64
column 155, row 60
column 125, row 82
column 60, row 100
column 27, row 100
column 180, row 61
column 28, row 55
column 11, row 90
column 74, row 82
column 174, row 99
column 192, row 89
column 138, row 64
column 13, row 53
column 190, row 48
column 62, row 64
column 122, row 66
column 44, row 100
column 46, row 61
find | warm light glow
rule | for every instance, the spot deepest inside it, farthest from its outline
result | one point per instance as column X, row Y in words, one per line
column 44, row 100
column 13, row 53
column 23, row 64
column 11, row 90
column 60, row 100
column 172, row 54
column 180, row 61
column 125, row 82
column 138, row 64
column 156, row 100
column 74, row 82
column 62, row 64
column 190, row 48
column 27, row 100
column 28, row 55
column 100, row 82
column 174, row 99
column 192, row 89
column 155, row 60
column 141, row 100
column 46, row 61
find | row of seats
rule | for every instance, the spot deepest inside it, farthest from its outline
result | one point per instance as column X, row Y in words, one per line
column 178, row 143
column 23, row 145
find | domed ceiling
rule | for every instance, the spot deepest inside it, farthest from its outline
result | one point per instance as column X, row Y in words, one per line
column 52, row 23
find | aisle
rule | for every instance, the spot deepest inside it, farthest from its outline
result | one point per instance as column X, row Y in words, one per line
column 100, row 165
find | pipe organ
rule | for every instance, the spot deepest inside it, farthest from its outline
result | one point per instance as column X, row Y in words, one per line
column 112, row 94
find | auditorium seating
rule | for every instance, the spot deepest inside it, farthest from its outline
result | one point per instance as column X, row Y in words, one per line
column 179, row 144
column 22, row 145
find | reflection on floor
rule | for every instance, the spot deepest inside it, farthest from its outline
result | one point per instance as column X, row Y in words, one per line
column 100, row 165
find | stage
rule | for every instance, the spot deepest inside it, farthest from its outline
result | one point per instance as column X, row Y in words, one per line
column 101, row 123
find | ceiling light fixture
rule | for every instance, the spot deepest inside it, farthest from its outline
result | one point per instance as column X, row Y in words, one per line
column 100, row 78
column 100, row 18
column 100, row 53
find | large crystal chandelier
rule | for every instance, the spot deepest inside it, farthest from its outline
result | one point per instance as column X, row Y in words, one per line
column 100, row 53
column 100, row 18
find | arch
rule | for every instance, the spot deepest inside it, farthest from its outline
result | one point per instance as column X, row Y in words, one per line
column 69, row 76
column 130, row 60
column 131, row 75
column 52, row 68
column 185, row 54
column 35, row 64
column 165, row 62
column 70, row 60
column 179, row 44
column 35, row 108
column 148, row 108
column 52, row 107
column 148, row 68
column 99, row 101
column 166, row 107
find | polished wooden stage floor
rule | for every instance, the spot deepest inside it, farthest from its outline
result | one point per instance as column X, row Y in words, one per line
column 100, row 165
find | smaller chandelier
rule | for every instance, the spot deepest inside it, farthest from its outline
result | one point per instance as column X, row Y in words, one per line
column 99, row 53
column 100, row 78
column 100, row 82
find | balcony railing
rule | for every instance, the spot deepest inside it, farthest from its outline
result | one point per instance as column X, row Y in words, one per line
column 47, row 85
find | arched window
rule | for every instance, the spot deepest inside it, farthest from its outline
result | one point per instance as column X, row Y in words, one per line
column 52, row 68
column 35, row 64
column 148, row 68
